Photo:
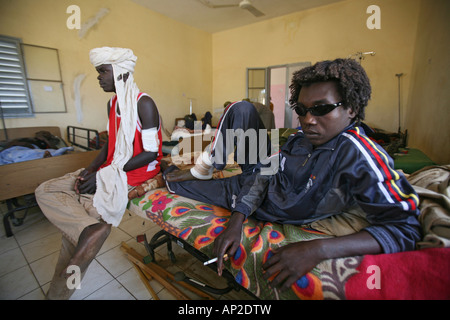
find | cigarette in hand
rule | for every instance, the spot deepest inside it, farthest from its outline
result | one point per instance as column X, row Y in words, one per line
column 213, row 260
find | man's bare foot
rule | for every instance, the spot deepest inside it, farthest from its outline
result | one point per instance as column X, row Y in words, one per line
column 89, row 244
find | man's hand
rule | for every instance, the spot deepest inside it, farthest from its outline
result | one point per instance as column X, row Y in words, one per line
column 291, row 262
column 229, row 240
column 86, row 182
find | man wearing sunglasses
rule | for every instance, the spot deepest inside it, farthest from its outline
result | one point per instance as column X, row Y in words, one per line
column 331, row 177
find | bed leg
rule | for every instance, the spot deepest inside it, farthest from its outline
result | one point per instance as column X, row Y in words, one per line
column 170, row 252
column 158, row 239
column 14, row 206
column 6, row 223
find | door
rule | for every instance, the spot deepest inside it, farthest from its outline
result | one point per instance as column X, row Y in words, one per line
column 279, row 78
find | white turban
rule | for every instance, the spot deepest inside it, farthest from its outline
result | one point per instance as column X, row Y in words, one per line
column 121, row 57
column 111, row 197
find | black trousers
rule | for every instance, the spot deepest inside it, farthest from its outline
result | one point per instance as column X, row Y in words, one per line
column 240, row 129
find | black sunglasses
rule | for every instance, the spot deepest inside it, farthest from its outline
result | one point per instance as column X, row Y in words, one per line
column 317, row 111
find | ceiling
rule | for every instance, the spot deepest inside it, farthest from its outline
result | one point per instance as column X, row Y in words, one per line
column 196, row 13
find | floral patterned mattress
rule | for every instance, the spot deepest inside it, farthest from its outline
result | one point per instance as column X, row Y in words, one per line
column 407, row 275
column 419, row 274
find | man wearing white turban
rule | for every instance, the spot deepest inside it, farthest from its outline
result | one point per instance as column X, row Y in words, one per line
column 86, row 203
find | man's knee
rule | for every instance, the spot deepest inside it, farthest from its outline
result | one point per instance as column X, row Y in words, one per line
column 40, row 190
column 244, row 109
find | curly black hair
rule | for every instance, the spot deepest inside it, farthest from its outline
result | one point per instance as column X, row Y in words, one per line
column 353, row 83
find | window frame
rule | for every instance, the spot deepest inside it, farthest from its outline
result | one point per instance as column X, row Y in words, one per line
column 264, row 88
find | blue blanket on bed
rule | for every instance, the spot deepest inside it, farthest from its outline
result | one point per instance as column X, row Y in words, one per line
column 19, row 154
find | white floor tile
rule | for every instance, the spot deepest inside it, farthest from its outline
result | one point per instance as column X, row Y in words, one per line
column 132, row 282
column 96, row 277
column 44, row 268
column 18, row 283
column 37, row 294
column 114, row 261
column 136, row 225
column 36, row 231
column 111, row 291
column 11, row 260
column 7, row 244
column 114, row 239
column 42, row 247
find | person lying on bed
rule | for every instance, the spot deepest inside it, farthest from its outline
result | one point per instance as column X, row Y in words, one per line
column 330, row 177
column 86, row 203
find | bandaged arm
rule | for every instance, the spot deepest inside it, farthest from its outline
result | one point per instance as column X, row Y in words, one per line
column 150, row 140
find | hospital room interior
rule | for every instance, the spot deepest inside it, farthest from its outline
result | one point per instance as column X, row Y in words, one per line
column 194, row 57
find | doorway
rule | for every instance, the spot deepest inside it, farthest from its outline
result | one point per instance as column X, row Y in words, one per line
column 278, row 93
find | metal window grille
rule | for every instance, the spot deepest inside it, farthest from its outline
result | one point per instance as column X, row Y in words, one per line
column 14, row 94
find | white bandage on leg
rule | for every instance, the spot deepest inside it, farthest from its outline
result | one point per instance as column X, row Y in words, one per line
column 150, row 140
column 203, row 168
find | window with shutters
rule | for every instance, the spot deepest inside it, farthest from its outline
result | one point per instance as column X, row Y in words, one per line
column 14, row 94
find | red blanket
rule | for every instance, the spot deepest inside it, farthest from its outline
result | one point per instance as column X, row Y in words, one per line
column 422, row 274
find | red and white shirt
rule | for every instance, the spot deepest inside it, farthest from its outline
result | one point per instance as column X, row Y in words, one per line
column 142, row 174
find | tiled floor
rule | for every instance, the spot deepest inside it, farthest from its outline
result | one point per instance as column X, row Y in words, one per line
column 28, row 259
